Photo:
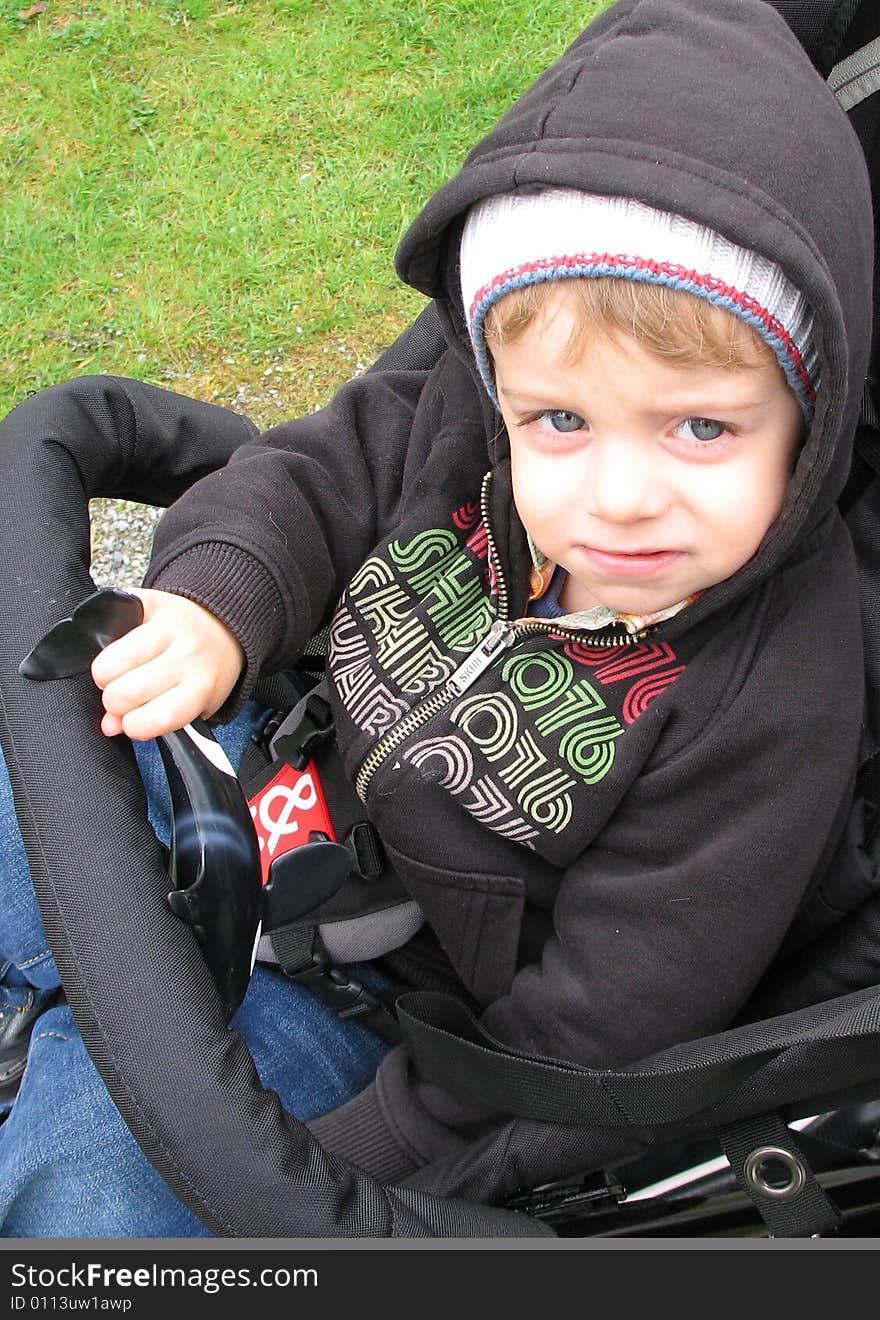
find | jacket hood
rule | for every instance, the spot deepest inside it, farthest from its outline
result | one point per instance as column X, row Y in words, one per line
column 710, row 109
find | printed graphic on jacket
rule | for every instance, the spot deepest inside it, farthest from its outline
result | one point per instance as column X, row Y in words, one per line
column 543, row 722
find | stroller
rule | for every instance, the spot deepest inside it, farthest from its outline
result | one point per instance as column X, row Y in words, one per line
column 769, row 1127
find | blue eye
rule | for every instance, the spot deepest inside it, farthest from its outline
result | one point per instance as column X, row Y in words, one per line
column 703, row 428
column 563, row 421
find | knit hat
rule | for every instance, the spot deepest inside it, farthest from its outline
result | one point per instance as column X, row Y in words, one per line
column 515, row 239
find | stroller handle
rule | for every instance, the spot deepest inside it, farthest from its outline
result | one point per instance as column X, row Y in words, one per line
column 215, row 861
column 214, row 866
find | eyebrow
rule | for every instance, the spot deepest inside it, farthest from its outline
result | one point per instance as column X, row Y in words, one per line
column 694, row 405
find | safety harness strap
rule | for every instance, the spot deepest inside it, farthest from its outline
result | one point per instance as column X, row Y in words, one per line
column 302, row 957
column 446, row 1040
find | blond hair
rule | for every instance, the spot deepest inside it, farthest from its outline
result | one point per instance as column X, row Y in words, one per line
column 668, row 323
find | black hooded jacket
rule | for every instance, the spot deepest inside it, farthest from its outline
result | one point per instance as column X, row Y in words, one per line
column 609, row 841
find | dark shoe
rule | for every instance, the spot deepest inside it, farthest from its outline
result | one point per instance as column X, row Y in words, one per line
column 16, row 1025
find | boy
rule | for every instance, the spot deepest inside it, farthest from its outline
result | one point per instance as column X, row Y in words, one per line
column 594, row 624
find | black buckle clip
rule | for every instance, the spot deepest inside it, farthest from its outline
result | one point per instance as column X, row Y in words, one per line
column 339, row 991
column 303, row 729
column 558, row 1202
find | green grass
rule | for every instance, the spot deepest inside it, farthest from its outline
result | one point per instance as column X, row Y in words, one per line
column 195, row 189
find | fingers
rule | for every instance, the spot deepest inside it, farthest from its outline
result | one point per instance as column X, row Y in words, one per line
column 151, row 700
column 156, row 693
column 136, row 649
column 169, row 710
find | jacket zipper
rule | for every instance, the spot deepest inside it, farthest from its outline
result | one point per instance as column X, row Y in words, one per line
column 503, row 634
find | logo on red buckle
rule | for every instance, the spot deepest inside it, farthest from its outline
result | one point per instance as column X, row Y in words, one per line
column 286, row 811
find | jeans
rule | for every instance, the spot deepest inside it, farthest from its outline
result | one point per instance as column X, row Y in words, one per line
column 68, row 1165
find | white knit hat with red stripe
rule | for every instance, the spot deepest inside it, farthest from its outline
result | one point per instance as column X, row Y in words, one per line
column 515, row 239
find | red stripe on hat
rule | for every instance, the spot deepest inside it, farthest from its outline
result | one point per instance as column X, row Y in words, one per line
column 672, row 271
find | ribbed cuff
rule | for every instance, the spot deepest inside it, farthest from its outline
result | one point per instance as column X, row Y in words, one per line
column 357, row 1132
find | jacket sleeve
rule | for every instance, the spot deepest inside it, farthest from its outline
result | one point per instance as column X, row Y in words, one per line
column 268, row 542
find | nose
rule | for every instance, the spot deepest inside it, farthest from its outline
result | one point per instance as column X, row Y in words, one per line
column 624, row 482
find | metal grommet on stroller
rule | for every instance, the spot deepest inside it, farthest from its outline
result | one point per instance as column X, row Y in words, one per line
column 774, row 1171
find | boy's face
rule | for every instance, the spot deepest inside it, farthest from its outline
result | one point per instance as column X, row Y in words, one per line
column 646, row 480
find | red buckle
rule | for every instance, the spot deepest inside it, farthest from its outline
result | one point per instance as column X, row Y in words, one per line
column 287, row 810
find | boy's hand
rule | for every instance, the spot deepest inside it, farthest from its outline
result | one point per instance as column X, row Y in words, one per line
column 180, row 663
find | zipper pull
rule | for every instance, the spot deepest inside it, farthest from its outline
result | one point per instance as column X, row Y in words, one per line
column 501, row 635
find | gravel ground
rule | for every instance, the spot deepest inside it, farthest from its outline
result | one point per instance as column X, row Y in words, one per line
column 121, row 534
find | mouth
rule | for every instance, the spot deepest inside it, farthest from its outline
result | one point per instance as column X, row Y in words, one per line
column 631, row 563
